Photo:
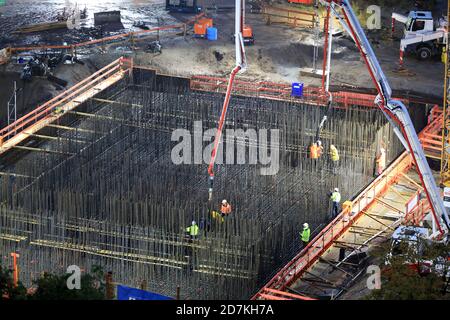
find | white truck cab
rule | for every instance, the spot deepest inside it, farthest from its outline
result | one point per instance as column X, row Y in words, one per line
column 419, row 22
column 422, row 35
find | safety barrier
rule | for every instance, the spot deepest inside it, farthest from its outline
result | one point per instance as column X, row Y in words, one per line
column 282, row 92
column 295, row 18
column 69, row 99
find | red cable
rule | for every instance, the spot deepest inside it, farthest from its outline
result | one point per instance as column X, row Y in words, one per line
column 222, row 120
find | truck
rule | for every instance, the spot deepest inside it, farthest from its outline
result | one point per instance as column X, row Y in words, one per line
column 422, row 35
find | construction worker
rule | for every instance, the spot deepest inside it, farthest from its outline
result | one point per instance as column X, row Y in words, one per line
column 444, row 55
column 334, row 154
column 314, row 151
column 381, row 161
column 305, row 234
column 336, row 199
column 193, row 230
column 225, row 209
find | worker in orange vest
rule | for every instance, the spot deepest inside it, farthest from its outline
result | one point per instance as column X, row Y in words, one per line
column 225, row 209
column 314, row 151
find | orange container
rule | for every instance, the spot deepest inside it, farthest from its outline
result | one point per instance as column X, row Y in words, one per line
column 201, row 26
column 247, row 32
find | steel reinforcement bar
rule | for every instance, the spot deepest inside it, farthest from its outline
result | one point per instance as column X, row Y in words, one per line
column 351, row 212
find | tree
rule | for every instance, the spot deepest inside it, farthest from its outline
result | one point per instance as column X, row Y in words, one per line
column 7, row 288
column 54, row 287
column 408, row 275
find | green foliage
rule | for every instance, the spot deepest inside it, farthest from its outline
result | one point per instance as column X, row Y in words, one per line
column 7, row 288
column 54, row 287
column 401, row 281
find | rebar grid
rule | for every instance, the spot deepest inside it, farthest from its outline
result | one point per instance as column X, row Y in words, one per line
column 105, row 191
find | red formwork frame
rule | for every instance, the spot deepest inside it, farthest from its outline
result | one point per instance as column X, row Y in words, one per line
column 325, row 239
column 283, row 91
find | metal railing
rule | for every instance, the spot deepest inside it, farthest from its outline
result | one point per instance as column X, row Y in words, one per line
column 47, row 109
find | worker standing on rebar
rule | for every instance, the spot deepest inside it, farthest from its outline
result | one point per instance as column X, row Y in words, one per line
column 193, row 230
column 314, row 151
column 336, row 199
column 334, row 154
column 225, row 209
column 381, row 160
column 305, row 234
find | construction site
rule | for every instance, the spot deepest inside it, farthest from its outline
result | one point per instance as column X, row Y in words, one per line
column 222, row 150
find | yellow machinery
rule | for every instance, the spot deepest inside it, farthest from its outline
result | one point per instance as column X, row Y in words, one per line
column 445, row 157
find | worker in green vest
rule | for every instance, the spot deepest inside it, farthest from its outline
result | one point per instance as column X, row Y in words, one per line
column 334, row 154
column 193, row 230
column 305, row 234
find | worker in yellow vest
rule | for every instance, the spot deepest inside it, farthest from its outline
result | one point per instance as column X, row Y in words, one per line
column 444, row 55
column 334, row 154
column 193, row 230
column 305, row 234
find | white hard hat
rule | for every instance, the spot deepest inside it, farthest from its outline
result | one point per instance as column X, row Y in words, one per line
column 332, row 146
column 336, row 189
column 224, row 201
column 193, row 222
column 319, row 143
column 305, row 225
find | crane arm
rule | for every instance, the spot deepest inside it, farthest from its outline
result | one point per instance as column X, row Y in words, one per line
column 241, row 66
column 395, row 111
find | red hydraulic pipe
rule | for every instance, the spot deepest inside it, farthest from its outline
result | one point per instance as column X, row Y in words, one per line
column 325, row 48
column 222, row 120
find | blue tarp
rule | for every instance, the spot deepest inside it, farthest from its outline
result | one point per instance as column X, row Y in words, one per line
column 127, row 293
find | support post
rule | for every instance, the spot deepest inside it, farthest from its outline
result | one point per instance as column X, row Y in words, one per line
column 109, row 286
column 15, row 255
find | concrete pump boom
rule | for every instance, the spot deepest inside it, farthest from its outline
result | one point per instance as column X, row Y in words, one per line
column 395, row 111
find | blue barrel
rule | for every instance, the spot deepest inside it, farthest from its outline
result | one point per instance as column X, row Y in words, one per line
column 297, row 89
column 211, row 34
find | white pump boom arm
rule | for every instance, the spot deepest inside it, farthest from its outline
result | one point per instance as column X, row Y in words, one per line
column 395, row 111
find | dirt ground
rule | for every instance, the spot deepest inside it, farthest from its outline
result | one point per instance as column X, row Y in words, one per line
column 278, row 55
column 280, row 52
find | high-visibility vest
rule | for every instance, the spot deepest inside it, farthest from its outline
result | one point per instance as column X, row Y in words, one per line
column 444, row 55
column 193, row 230
column 334, row 154
column 226, row 209
column 314, row 151
column 336, row 197
column 381, row 160
column 306, row 234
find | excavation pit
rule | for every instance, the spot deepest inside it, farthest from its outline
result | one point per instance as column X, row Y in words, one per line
column 100, row 186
